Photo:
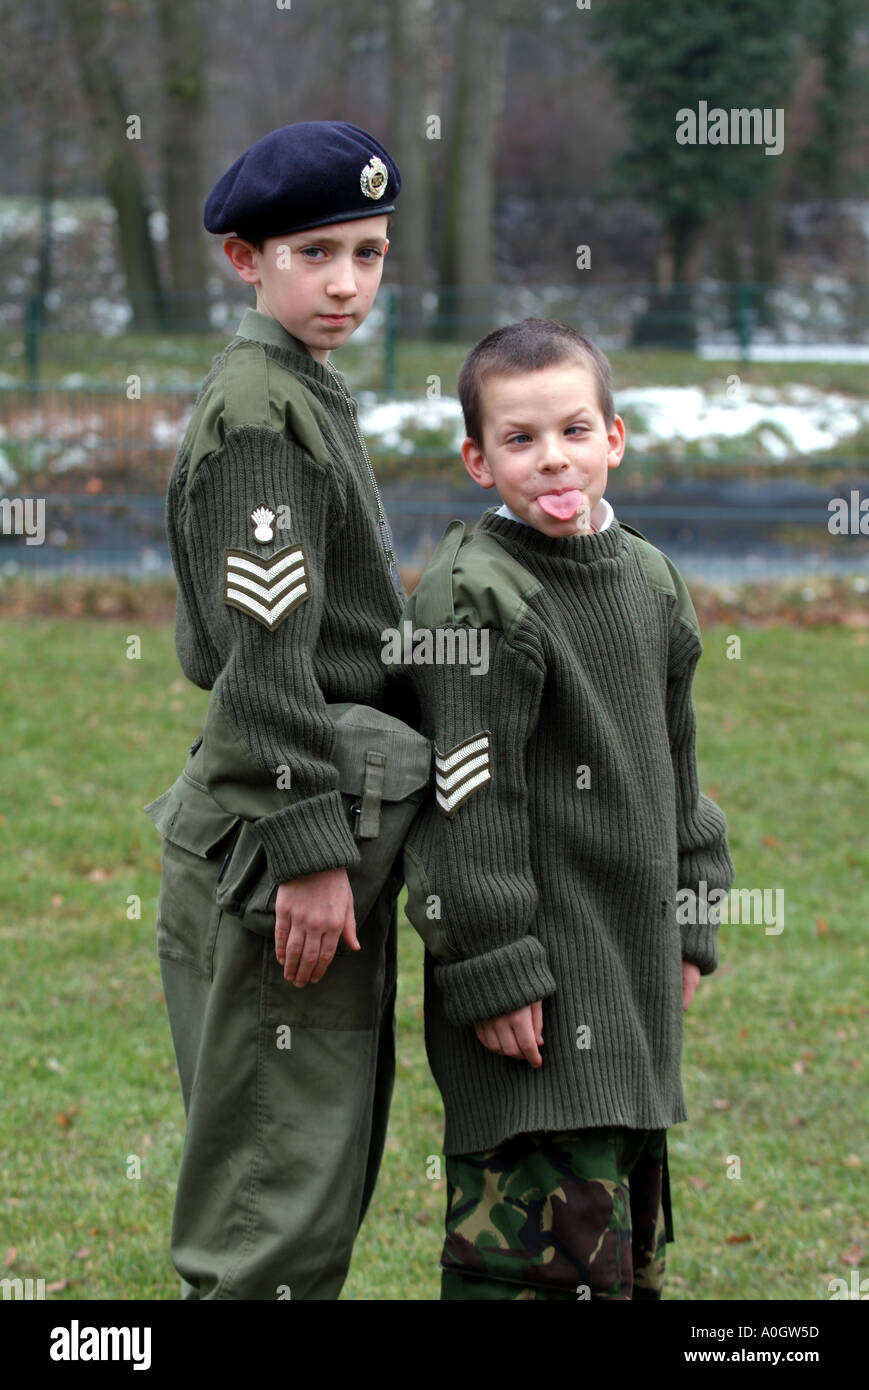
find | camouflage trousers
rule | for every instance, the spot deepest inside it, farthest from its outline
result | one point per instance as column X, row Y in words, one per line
column 577, row 1215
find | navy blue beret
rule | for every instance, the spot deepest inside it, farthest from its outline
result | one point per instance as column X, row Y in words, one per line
column 303, row 175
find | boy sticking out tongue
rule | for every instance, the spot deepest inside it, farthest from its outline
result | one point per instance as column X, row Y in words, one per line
column 548, row 450
column 566, row 823
column 564, row 505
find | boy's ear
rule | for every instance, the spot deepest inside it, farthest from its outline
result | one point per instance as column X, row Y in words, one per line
column 243, row 257
column 475, row 462
column 615, row 442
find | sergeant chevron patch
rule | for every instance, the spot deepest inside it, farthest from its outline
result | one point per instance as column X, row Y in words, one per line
column 461, row 772
column 267, row 589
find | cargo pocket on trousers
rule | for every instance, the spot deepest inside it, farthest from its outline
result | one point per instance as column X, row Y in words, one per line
column 197, row 836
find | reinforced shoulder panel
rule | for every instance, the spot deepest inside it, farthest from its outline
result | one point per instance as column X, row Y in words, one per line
column 472, row 579
column 250, row 388
column 662, row 574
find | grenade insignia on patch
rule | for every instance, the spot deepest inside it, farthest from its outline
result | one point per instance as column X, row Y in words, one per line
column 262, row 519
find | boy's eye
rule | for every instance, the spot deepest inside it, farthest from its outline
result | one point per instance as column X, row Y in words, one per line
column 518, row 438
column 579, row 428
column 369, row 252
column 311, row 252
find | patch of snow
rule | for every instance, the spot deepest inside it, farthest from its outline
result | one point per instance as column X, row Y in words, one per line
column 110, row 317
column 158, row 224
column 387, row 418
column 790, row 352
column 773, row 444
column 688, row 413
column 166, row 432
column 8, row 476
column 70, row 458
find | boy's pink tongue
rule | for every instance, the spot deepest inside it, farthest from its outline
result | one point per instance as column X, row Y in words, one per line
column 561, row 505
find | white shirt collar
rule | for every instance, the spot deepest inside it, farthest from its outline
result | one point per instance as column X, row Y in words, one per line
column 602, row 517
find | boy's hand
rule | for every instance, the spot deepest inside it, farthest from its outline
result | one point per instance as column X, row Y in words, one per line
column 518, row 1034
column 311, row 914
column 690, row 981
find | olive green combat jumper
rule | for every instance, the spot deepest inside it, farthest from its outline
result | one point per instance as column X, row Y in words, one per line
column 286, row 580
column 566, row 818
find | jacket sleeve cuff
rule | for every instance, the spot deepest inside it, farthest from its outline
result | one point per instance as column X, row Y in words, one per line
column 308, row 838
column 700, row 947
column 496, row 983
column 704, row 865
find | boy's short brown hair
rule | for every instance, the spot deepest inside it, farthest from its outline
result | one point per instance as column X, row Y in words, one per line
column 528, row 346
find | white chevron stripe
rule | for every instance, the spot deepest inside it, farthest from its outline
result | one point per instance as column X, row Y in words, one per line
column 271, row 593
column 262, row 571
column 448, row 803
column 446, row 783
column 444, row 764
column 268, row 615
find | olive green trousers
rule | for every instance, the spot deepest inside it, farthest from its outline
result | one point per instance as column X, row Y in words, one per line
column 286, row 1093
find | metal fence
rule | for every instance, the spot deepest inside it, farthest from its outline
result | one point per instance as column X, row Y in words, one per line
column 710, row 317
column 97, row 454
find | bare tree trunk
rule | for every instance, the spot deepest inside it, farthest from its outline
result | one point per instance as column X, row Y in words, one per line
column 468, row 252
column 414, row 102
column 668, row 319
column 182, row 161
column 116, row 156
column 728, row 261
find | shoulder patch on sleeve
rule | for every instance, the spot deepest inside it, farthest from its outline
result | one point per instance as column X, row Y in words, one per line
column 267, row 589
column 472, row 579
column 461, row 771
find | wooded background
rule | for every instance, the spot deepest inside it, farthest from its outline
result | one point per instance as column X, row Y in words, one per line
column 522, row 131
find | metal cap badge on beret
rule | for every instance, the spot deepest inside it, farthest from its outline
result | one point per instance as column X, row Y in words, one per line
column 303, row 175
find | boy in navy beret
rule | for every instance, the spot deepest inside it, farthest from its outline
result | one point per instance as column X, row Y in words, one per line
column 286, row 578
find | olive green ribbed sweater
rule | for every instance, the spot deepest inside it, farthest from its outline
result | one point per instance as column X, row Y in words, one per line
column 240, row 453
column 552, row 890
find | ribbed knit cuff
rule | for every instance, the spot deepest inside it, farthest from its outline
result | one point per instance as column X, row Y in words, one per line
column 705, row 865
column 700, row 946
column 496, row 983
column 308, row 838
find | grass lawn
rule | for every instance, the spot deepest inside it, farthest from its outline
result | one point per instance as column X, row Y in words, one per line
column 775, row 1042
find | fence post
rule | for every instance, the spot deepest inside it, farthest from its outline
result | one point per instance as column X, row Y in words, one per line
column 32, row 337
column 744, row 320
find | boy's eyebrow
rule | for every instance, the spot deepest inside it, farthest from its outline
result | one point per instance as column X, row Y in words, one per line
column 312, row 238
column 571, row 415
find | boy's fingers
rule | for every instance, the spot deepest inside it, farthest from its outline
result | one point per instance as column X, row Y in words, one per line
column 317, row 948
column 349, row 931
column 537, row 1021
column 292, row 952
column 327, row 955
column 507, row 1039
column 303, row 952
column 526, row 1043
column 282, row 932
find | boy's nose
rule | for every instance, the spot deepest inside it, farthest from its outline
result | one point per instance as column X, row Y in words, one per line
column 342, row 282
column 554, row 456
